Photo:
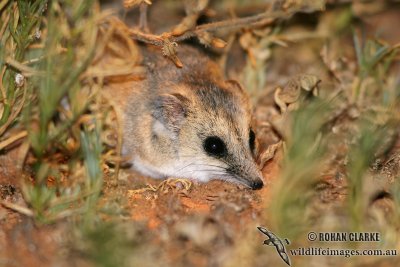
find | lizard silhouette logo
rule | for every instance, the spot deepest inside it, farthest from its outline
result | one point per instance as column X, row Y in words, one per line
column 273, row 240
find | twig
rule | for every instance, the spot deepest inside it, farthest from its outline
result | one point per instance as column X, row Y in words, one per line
column 130, row 69
column 27, row 71
column 146, row 37
column 229, row 25
column 143, row 17
column 3, row 4
column 194, row 9
column 3, row 28
column 103, row 44
column 17, row 208
column 12, row 139
column 15, row 114
column 234, row 24
column 114, row 105
column 169, row 41
column 33, row 60
column 2, row 89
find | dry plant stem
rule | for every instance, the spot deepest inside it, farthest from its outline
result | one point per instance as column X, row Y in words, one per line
column 3, row 29
column 192, row 15
column 27, row 71
column 14, row 115
column 12, row 139
column 103, row 43
column 234, row 24
column 119, row 133
column 3, row 91
column 22, row 154
column 3, row 4
column 143, row 17
column 227, row 25
column 17, row 208
column 122, row 31
column 146, row 37
column 66, row 213
column 33, row 60
column 70, row 122
column 126, row 70
column 72, row 199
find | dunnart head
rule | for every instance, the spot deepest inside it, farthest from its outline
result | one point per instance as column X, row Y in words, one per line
column 190, row 123
column 207, row 128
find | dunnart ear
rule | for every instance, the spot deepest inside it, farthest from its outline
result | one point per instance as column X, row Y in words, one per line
column 170, row 110
column 240, row 92
column 236, row 87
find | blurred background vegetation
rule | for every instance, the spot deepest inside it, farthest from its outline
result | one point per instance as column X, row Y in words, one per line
column 339, row 161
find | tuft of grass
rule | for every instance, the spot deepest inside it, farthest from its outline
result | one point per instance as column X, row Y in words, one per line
column 48, row 48
column 60, row 107
column 301, row 167
column 19, row 28
column 361, row 156
column 92, row 149
column 379, row 99
column 60, row 97
column 107, row 244
column 395, row 191
column 374, row 59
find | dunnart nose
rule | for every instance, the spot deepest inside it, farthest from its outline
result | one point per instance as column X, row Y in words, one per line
column 257, row 184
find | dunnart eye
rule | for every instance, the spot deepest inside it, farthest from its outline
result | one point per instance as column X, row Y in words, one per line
column 214, row 146
column 252, row 140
